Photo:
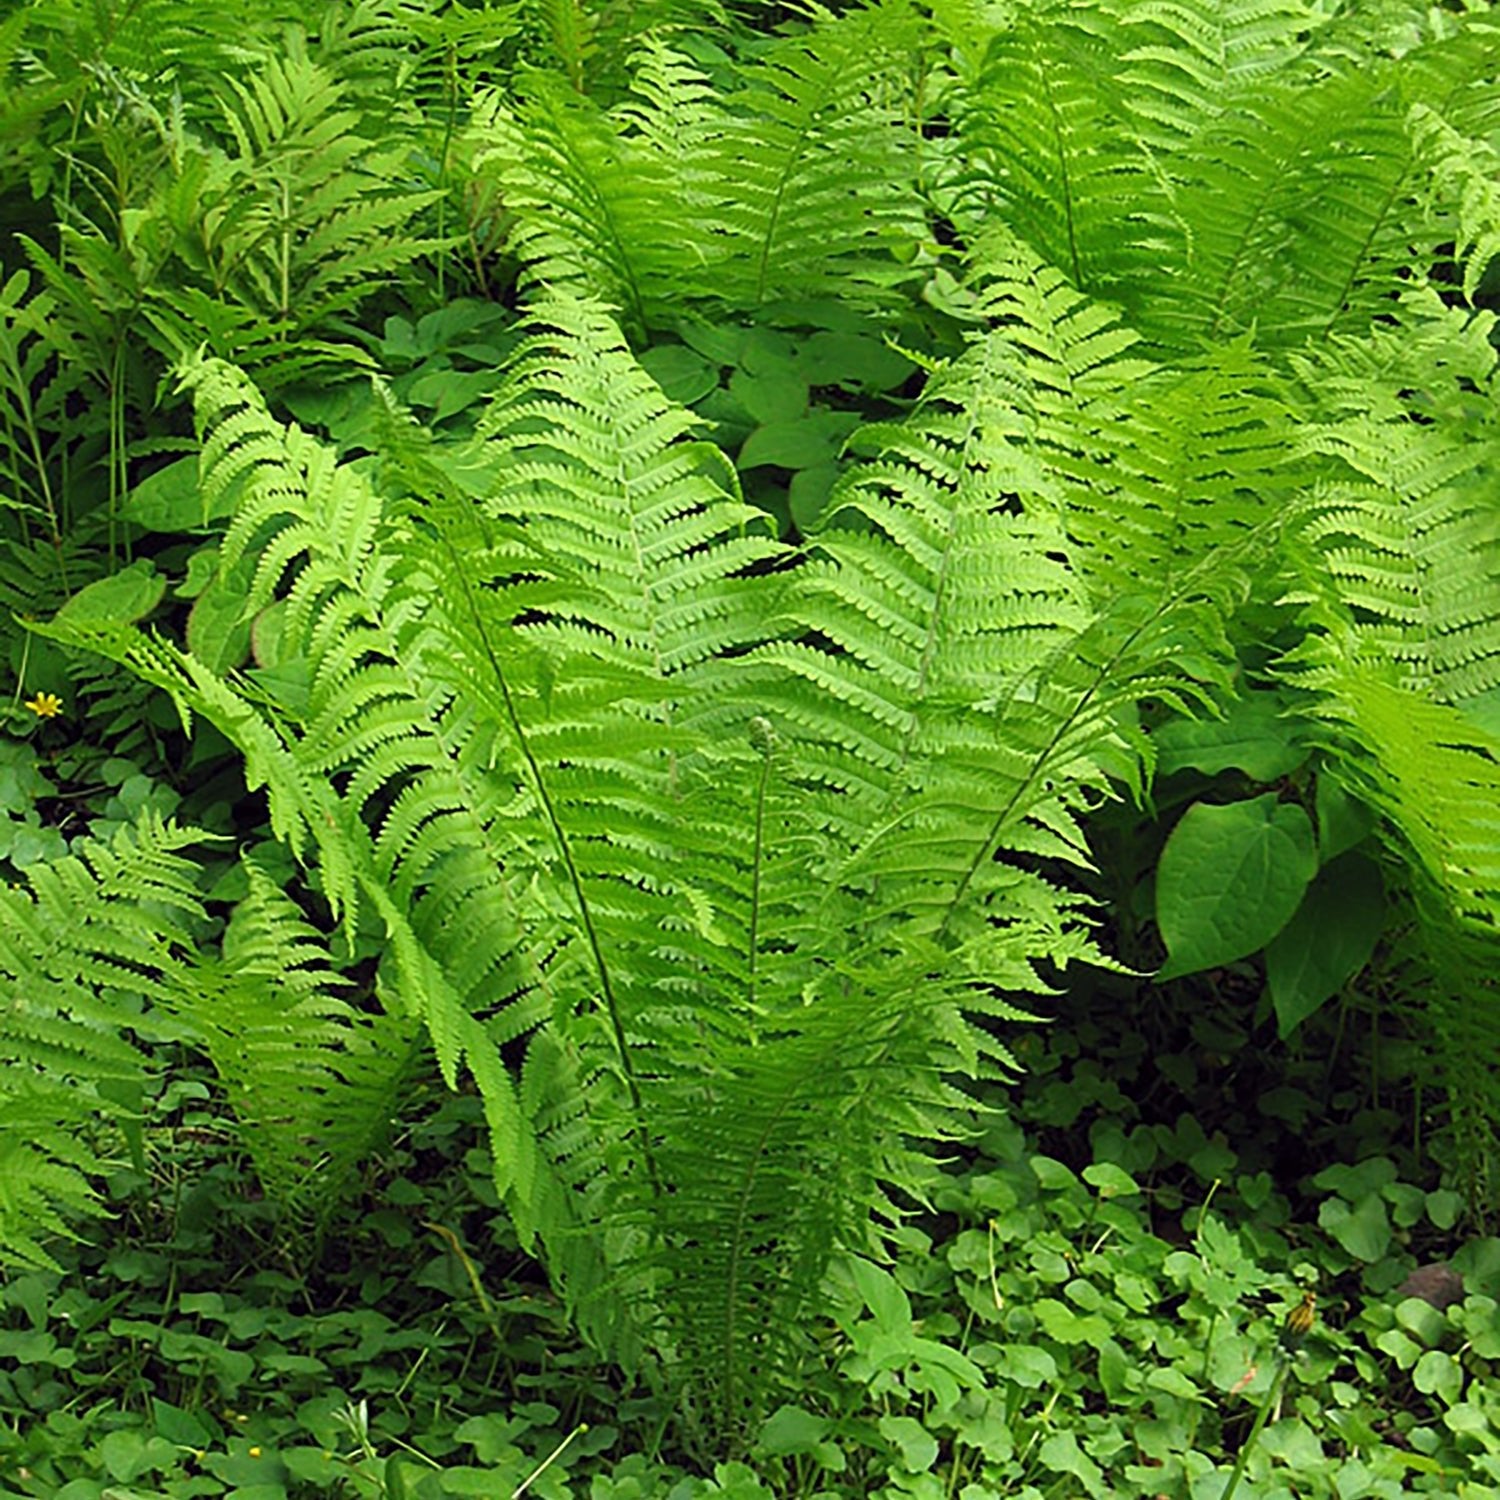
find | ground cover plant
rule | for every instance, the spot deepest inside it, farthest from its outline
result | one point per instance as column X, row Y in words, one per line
column 754, row 750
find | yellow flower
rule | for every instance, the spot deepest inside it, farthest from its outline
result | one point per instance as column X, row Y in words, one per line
column 1300, row 1320
column 45, row 705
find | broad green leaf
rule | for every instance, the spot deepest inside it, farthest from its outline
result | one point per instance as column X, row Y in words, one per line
column 791, row 1429
column 1343, row 820
column 684, row 375
column 852, row 359
column 919, row 1449
column 1438, row 1374
column 800, row 444
column 395, row 1480
column 1052, row 1173
column 121, row 599
column 1109, row 1180
column 1062, row 1455
column 1229, row 879
column 171, row 500
column 809, row 492
column 883, row 1295
column 1252, row 737
column 217, row 632
column 1364, row 1230
column 1443, row 1207
column 717, row 343
column 447, row 392
column 201, row 567
column 1329, row 940
column 1422, row 1320
column 777, row 396
column 1027, row 1365
column 1068, row 1327
column 736, row 1481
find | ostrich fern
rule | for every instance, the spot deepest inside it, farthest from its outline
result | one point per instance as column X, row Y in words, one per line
column 744, row 906
column 721, row 865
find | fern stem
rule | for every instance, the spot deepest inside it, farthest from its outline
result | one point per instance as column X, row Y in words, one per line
column 997, row 825
column 450, row 88
column 116, row 447
column 575, row 879
column 286, row 249
column 762, row 733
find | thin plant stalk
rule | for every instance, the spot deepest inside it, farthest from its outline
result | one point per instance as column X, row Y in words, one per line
column 1296, row 1327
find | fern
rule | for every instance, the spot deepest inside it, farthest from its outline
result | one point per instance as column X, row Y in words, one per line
column 1047, row 144
column 815, row 174
column 723, row 868
column 1463, row 171
column 302, row 217
column 798, row 184
column 1184, row 62
column 592, row 211
column 1402, row 534
column 736, row 866
column 96, row 937
column 1434, row 777
column 310, row 1078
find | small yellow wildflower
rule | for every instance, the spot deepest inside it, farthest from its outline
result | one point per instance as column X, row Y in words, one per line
column 254, row 1452
column 1300, row 1320
column 45, row 705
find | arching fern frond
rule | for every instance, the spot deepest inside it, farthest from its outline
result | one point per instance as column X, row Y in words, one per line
column 815, row 170
column 1402, row 530
column 97, row 936
column 314, row 1081
column 299, row 218
column 796, row 185
column 1434, row 777
column 1183, row 60
column 1049, row 150
column 595, row 210
column 1297, row 205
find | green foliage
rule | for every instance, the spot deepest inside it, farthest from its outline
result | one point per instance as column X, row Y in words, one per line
column 309, row 1077
column 95, row 936
column 698, row 707
column 796, row 184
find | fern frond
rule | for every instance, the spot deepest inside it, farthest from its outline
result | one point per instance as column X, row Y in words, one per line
column 302, row 217
column 97, row 934
column 313, row 1081
column 815, row 166
column 1434, row 776
column 1049, row 151
column 595, row 210
column 801, row 179
column 1298, row 207
column 1153, row 468
column 1466, row 172
column 1407, row 549
column 1184, row 60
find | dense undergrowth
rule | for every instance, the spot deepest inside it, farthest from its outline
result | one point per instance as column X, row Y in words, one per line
column 753, row 751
